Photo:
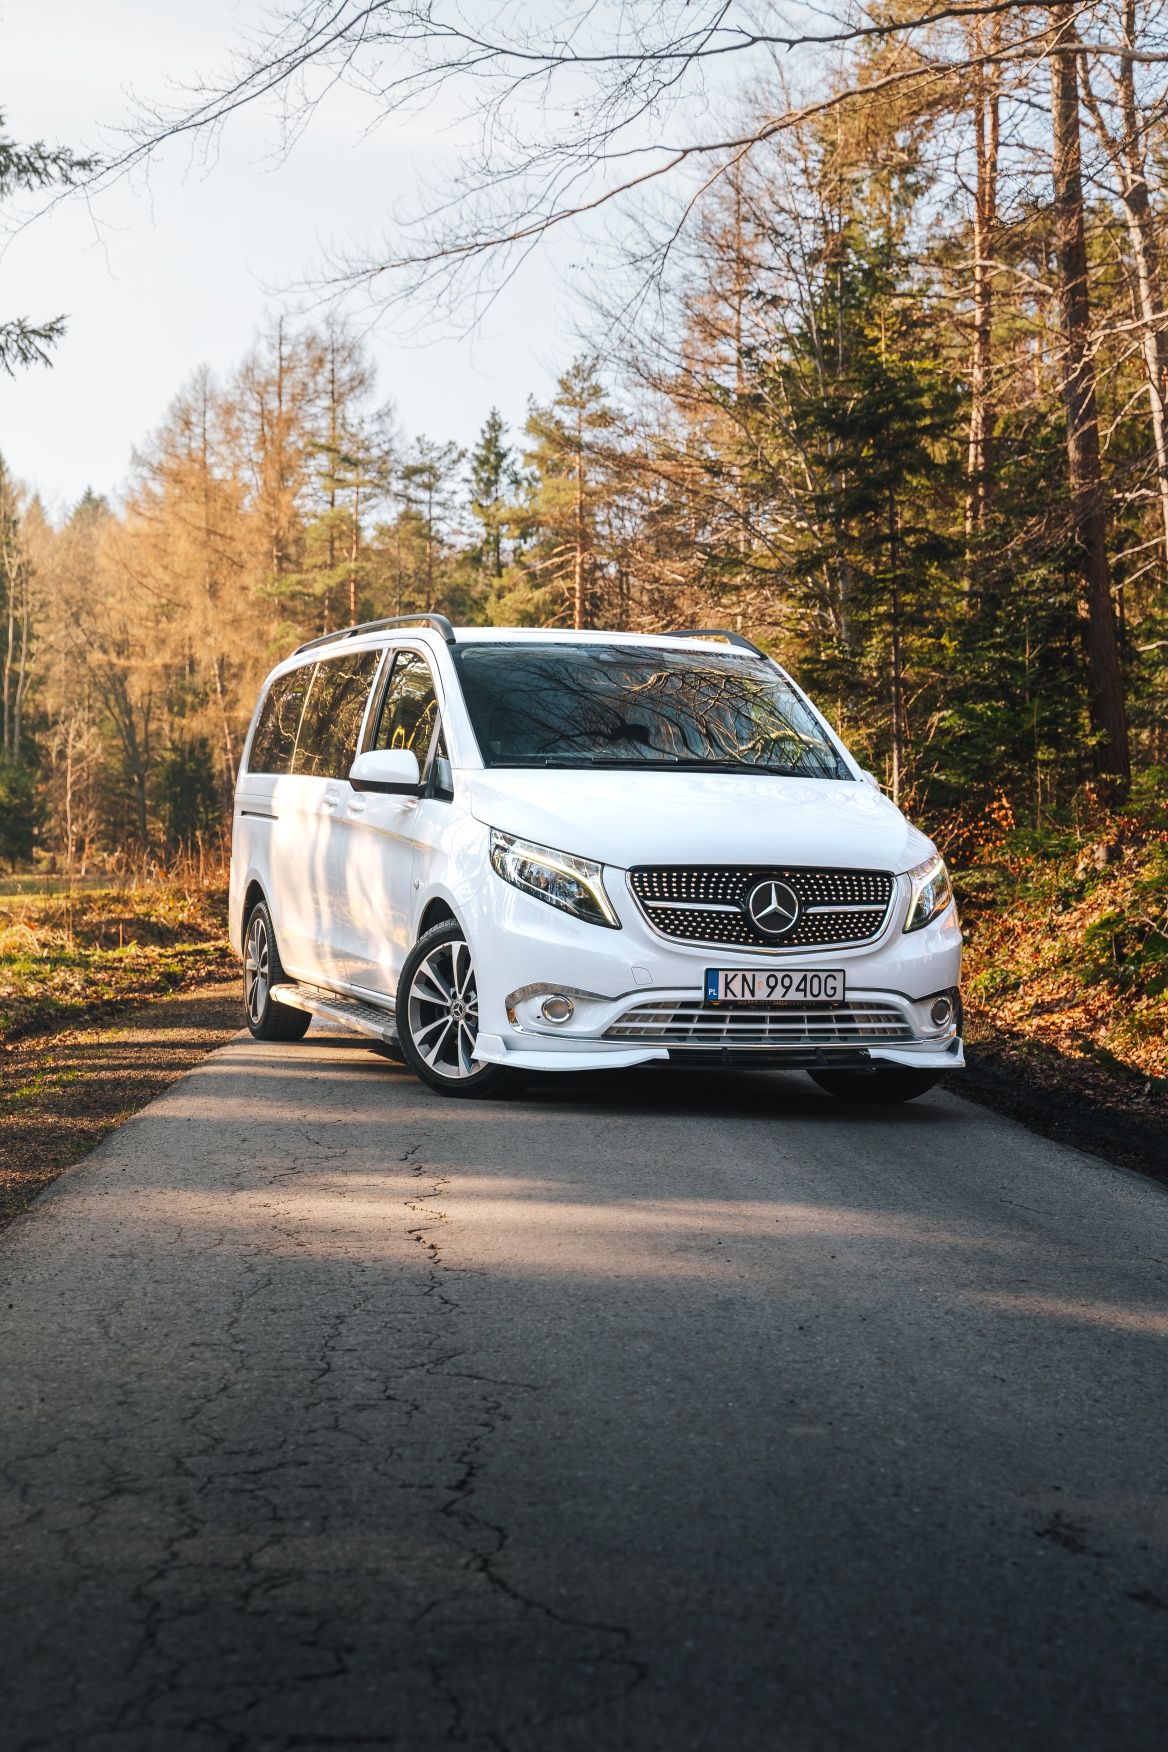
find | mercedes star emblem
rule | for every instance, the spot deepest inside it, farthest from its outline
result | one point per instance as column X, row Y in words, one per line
column 774, row 908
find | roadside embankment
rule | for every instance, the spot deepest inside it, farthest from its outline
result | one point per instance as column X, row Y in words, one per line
column 106, row 996
column 1066, row 986
column 85, row 954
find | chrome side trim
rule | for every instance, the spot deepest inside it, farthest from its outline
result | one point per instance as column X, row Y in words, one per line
column 543, row 990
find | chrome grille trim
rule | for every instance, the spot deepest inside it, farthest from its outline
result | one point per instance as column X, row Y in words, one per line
column 697, row 1024
column 707, row 904
column 694, row 906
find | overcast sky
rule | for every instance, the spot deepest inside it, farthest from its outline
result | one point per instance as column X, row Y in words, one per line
column 163, row 276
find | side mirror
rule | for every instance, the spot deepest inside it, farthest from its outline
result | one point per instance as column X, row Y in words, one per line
column 394, row 770
column 871, row 779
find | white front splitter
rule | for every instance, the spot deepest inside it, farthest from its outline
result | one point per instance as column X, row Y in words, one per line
column 594, row 1056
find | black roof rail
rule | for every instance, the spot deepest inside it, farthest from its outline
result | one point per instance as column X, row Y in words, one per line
column 438, row 621
column 730, row 637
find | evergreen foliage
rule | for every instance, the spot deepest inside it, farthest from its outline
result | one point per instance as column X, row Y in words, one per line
column 29, row 169
column 18, row 811
column 188, row 795
column 847, row 433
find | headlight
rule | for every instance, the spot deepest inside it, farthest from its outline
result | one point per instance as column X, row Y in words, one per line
column 573, row 884
column 931, row 892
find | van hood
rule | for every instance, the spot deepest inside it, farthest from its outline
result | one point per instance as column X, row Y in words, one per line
column 629, row 818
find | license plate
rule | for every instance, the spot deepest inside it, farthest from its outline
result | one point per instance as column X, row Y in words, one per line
column 807, row 985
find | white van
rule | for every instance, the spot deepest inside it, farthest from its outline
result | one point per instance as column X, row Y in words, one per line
column 504, row 852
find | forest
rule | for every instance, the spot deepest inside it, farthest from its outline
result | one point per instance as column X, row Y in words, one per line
column 892, row 403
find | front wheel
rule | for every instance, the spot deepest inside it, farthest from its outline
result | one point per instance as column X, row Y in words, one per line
column 438, row 1017
column 879, row 1088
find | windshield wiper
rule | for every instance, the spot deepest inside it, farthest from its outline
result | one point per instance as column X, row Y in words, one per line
column 580, row 760
column 697, row 765
column 664, row 763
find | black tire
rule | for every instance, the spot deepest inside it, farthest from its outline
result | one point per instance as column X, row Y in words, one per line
column 262, row 969
column 427, row 998
column 879, row 1088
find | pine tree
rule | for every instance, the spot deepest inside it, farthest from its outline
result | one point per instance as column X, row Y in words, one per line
column 188, row 795
column 428, row 487
column 30, row 168
column 494, row 479
column 16, row 629
column 570, row 452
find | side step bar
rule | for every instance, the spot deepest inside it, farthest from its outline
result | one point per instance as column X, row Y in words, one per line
column 332, row 1007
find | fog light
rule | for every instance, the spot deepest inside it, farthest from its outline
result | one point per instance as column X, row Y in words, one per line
column 557, row 1009
column 941, row 1012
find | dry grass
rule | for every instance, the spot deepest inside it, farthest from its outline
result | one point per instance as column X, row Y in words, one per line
column 67, row 957
column 1068, row 948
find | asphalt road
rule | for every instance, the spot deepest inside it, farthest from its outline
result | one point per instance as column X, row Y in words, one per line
column 650, row 1412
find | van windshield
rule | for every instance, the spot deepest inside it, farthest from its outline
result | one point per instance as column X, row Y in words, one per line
column 628, row 706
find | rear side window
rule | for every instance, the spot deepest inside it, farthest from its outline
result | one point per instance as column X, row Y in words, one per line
column 274, row 742
column 331, row 723
column 409, row 710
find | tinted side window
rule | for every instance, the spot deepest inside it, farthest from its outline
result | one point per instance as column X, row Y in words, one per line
column 332, row 716
column 274, row 741
column 409, row 710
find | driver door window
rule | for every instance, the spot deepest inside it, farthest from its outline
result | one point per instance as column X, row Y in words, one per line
column 409, row 710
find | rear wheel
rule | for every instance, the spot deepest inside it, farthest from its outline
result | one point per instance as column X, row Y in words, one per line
column 879, row 1088
column 267, row 1019
column 437, row 1012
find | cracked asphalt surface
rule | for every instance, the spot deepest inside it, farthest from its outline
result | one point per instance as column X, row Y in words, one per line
column 652, row 1411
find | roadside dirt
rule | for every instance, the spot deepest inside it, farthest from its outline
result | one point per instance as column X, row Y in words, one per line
column 61, row 1092
column 1107, row 1110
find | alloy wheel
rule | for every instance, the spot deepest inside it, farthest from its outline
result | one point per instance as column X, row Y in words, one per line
column 442, row 1011
column 257, row 969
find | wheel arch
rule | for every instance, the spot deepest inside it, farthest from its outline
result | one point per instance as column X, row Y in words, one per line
column 437, row 912
column 252, row 895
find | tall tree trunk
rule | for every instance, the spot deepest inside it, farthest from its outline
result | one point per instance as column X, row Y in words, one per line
column 69, row 744
column 354, row 546
column 986, row 94
column 23, row 674
column 15, row 573
column 224, row 720
column 211, row 593
column 1128, row 154
column 897, row 674
column 1084, row 470
column 9, row 655
column 430, row 551
column 579, row 576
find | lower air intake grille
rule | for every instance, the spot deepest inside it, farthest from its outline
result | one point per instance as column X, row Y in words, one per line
column 692, row 1024
column 707, row 903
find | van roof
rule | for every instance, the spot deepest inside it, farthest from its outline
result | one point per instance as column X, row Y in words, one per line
column 380, row 633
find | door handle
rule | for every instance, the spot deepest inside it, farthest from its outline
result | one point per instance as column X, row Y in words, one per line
column 357, row 806
column 330, row 799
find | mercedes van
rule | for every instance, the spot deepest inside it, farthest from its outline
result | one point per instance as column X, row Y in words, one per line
column 505, row 852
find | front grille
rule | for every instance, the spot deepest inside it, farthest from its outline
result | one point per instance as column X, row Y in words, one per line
column 693, row 1024
column 707, row 903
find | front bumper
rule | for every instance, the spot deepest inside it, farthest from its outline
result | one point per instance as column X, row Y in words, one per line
column 630, row 986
